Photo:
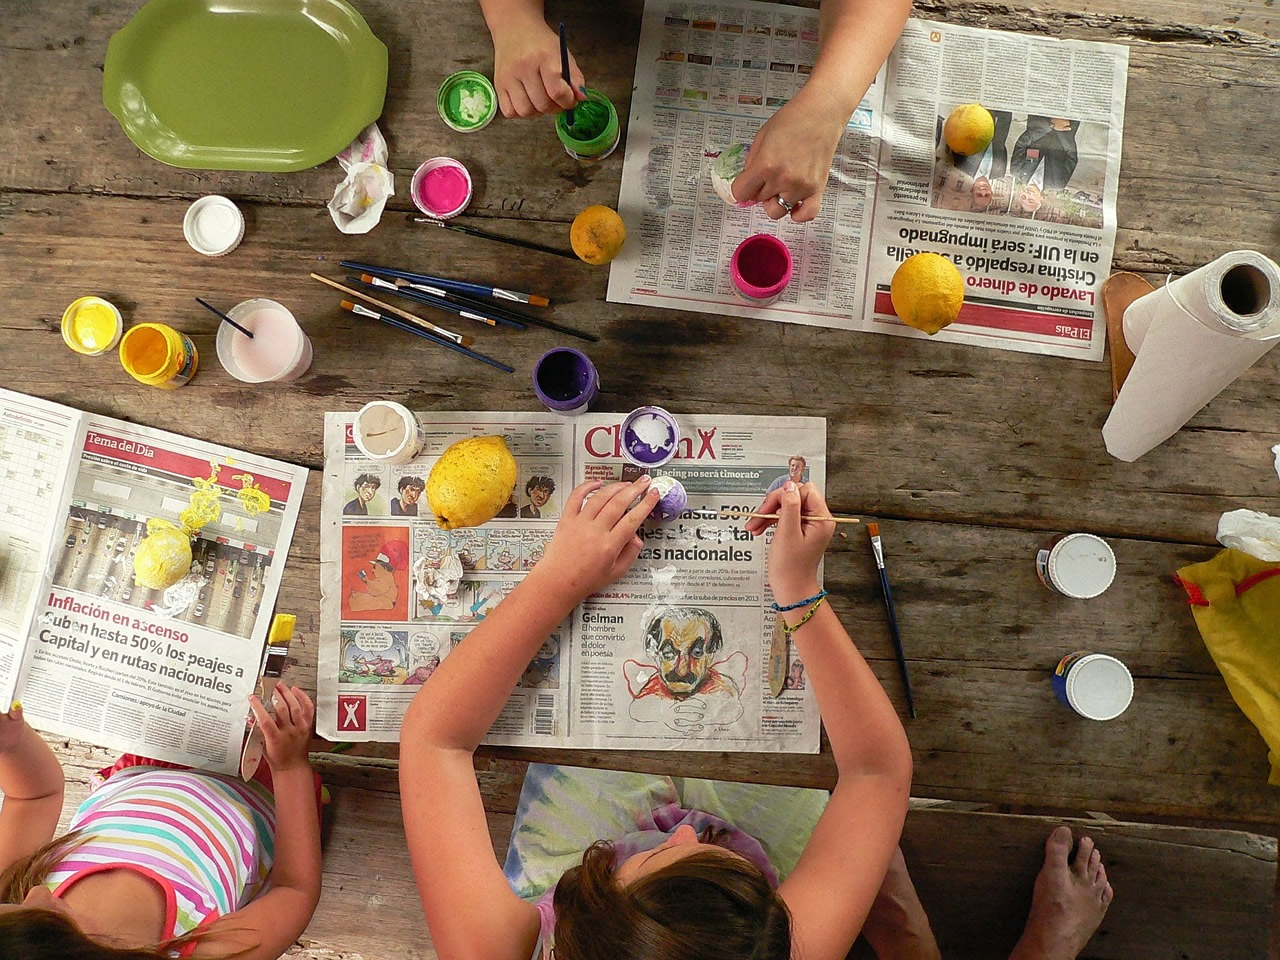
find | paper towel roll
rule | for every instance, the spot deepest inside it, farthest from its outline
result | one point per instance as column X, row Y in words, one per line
column 1192, row 338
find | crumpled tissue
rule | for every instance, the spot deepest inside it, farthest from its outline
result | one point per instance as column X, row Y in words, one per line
column 1251, row 532
column 358, row 200
column 435, row 585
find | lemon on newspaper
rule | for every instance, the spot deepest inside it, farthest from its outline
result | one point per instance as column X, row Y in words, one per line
column 969, row 129
column 471, row 482
column 927, row 292
column 163, row 556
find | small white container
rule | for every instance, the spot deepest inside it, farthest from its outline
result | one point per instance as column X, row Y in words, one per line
column 213, row 226
column 1094, row 685
column 388, row 432
column 1077, row 565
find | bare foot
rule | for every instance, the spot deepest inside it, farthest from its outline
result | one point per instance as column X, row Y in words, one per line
column 897, row 927
column 1068, row 903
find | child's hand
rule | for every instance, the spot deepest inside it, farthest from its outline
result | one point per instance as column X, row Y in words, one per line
column 798, row 545
column 287, row 734
column 595, row 542
column 526, row 68
column 791, row 158
column 12, row 727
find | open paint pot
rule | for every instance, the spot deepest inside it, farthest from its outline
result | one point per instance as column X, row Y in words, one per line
column 388, row 432
column 760, row 269
column 158, row 355
column 91, row 326
column 1077, row 565
column 566, row 381
column 467, row 101
column 1094, row 685
column 441, row 188
column 649, row 436
column 278, row 351
column 594, row 134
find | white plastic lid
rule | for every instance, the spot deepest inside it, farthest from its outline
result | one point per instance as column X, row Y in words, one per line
column 213, row 226
column 1082, row 565
column 1099, row 687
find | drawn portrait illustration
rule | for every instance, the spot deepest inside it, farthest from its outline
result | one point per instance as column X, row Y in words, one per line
column 684, row 685
column 375, row 573
column 367, row 498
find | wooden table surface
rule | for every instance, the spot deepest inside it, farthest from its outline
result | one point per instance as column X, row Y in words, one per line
column 969, row 457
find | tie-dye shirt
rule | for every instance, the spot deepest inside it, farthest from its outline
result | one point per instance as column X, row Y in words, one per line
column 205, row 839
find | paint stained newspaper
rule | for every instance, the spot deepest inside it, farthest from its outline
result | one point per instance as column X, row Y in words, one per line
column 1030, row 222
column 90, row 652
column 674, row 656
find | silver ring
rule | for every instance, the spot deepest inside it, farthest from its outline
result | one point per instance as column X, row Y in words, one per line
column 786, row 206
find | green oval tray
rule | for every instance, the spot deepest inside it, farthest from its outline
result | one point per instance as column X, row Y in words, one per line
column 271, row 85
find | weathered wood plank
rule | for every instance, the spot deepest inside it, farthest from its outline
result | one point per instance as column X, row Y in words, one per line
column 1185, row 196
column 916, row 429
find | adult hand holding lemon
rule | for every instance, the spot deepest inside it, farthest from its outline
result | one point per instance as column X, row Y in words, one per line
column 927, row 292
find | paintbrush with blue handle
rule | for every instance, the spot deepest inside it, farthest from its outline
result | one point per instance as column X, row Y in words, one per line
column 877, row 549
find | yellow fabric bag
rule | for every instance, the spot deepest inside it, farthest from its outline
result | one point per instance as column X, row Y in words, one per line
column 1235, row 599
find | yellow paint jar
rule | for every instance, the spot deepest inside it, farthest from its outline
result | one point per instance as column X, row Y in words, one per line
column 158, row 355
column 91, row 326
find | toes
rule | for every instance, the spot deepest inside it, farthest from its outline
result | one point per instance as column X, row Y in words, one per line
column 1107, row 895
column 1095, row 864
column 1058, row 847
column 1100, row 876
column 1084, row 850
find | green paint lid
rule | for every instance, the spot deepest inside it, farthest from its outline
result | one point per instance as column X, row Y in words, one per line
column 594, row 133
column 467, row 101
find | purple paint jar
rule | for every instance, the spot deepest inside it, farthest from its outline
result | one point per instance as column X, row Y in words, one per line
column 761, row 268
column 649, row 436
column 566, row 380
column 674, row 500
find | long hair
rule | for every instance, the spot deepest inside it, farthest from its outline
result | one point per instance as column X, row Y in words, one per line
column 706, row 906
column 38, row 934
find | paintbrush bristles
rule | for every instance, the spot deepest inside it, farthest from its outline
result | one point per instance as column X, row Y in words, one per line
column 873, row 529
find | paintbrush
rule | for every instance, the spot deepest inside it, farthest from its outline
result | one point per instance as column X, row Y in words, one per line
column 877, row 549
column 435, row 296
column 743, row 515
column 458, row 286
column 486, row 235
column 564, row 72
column 211, row 307
column 363, row 311
column 273, row 664
column 417, row 321
column 369, row 280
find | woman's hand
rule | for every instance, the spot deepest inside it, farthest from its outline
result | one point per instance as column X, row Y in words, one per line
column 526, row 69
column 287, row 735
column 12, row 727
column 596, row 542
column 791, row 157
column 798, row 544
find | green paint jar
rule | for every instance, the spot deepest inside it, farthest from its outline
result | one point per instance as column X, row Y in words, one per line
column 594, row 133
column 467, row 101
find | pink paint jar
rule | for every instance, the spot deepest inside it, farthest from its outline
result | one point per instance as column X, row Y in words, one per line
column 441, row 188
column 761, row 269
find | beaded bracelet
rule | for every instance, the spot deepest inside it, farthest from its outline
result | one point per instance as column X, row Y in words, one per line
column 803, row 620
column 803, row 603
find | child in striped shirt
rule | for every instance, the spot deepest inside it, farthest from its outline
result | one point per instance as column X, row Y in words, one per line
column 160, row 861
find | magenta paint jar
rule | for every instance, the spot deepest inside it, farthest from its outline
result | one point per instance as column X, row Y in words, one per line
column 761, row 269
column 441, row 188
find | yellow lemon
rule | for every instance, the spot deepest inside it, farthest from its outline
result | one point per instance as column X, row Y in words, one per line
column 163, row 556
column 927, row 292
column 597, row 234
column 471, row 482
column 969, row 129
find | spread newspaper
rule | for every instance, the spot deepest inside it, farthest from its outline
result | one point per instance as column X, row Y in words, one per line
column 1030, row 222
column 90, row 652
column 673, row 656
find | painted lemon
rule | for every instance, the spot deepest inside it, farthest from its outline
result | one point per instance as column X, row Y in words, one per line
column 163, row 556
column 927, row 292
column 471, row 482
column 597, row 234
column 969, row 129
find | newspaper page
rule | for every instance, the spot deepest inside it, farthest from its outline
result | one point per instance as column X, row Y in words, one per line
column 674, row 656
column 1030, row 223
column 162, row 673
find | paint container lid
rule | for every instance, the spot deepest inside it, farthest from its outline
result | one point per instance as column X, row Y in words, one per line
column 443, row 195
column 673, row 499
column 1099, row 687
column 467, row 101
column 728, row 163
column 1081, row 565
column 388, row 432
column 213, row 226
column 649, row 436
column 91, row 326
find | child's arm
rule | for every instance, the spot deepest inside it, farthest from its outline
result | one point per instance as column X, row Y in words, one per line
column 836, row 880
column 526, row 60
column 31, row 782
column 470, row 909
column 273, row 922
column 791, row 154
